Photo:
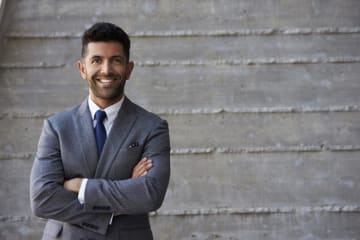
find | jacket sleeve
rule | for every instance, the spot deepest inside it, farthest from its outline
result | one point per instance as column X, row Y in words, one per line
column 48, row 197
column 139, row 195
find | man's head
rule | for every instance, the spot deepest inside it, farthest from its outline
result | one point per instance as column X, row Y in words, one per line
column 105, row 32
column 105, row 62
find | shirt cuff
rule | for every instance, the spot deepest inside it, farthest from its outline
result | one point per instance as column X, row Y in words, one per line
column 81, row 194
column 111, row 219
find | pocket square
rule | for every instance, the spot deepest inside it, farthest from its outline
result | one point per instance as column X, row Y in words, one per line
column 133, row 145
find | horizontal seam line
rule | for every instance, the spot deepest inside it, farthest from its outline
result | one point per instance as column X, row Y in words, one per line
column 202, row 33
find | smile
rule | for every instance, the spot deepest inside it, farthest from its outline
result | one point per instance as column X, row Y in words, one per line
column 105, row 80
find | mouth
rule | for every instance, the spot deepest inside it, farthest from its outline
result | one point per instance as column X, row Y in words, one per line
column 108, row 80
column 105, row 81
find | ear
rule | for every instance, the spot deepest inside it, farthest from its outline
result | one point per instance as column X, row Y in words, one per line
column 82, row 69
column 130, row 67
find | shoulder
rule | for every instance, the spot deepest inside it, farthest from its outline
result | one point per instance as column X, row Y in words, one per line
column 146, row 117
column 64, row 116
column 140, row 111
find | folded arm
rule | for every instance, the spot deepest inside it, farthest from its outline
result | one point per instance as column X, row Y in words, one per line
column 138, row 195
column 49, row 199
column 140, row 170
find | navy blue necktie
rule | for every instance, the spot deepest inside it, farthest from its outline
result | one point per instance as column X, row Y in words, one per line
column 100, row 132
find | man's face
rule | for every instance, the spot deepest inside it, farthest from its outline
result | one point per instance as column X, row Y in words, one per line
column 106, row 69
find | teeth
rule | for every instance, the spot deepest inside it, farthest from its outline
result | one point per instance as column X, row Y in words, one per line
column 105, row 81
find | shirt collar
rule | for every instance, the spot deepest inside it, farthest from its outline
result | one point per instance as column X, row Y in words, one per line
column 111, row 111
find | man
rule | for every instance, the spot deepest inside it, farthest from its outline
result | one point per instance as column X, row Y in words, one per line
column 97, row 174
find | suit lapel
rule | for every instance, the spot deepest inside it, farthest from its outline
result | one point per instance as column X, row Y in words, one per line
column 85, row 133
column 119, row 132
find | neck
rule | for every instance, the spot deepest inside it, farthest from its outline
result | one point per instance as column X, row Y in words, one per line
column 104, row 103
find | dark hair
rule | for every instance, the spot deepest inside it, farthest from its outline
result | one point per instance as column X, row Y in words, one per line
column 105, row 32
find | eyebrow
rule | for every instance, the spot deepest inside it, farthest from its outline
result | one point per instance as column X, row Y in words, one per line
column 115, row 56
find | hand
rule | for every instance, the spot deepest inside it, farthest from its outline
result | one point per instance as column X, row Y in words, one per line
column 142, row 168
column 73, row 184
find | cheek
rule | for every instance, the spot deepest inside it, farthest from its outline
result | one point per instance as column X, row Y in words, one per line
column 91, row 72
column 120, row 70
column 127, row 72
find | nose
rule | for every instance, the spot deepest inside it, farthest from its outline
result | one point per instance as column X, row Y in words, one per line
column 106, row 68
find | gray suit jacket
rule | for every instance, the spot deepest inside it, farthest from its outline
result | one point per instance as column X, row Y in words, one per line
column 67, row 149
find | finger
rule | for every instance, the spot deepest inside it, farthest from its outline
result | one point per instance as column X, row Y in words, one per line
column 143, row 166
column 138, row 171
column 148, row 165
column 144, row 173
column 140, row 164
column 139, row 174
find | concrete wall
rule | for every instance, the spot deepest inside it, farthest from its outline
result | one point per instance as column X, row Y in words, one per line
column 262, row 98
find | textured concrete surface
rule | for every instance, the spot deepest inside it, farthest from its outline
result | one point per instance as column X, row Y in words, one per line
column 262, row 98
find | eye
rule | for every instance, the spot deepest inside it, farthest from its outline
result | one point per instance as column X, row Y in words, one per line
column 95, row 60
column 118, row 60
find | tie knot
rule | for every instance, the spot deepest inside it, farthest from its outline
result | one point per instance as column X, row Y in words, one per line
column 100, row 115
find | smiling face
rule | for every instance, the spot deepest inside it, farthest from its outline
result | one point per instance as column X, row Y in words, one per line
column 106, row 69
